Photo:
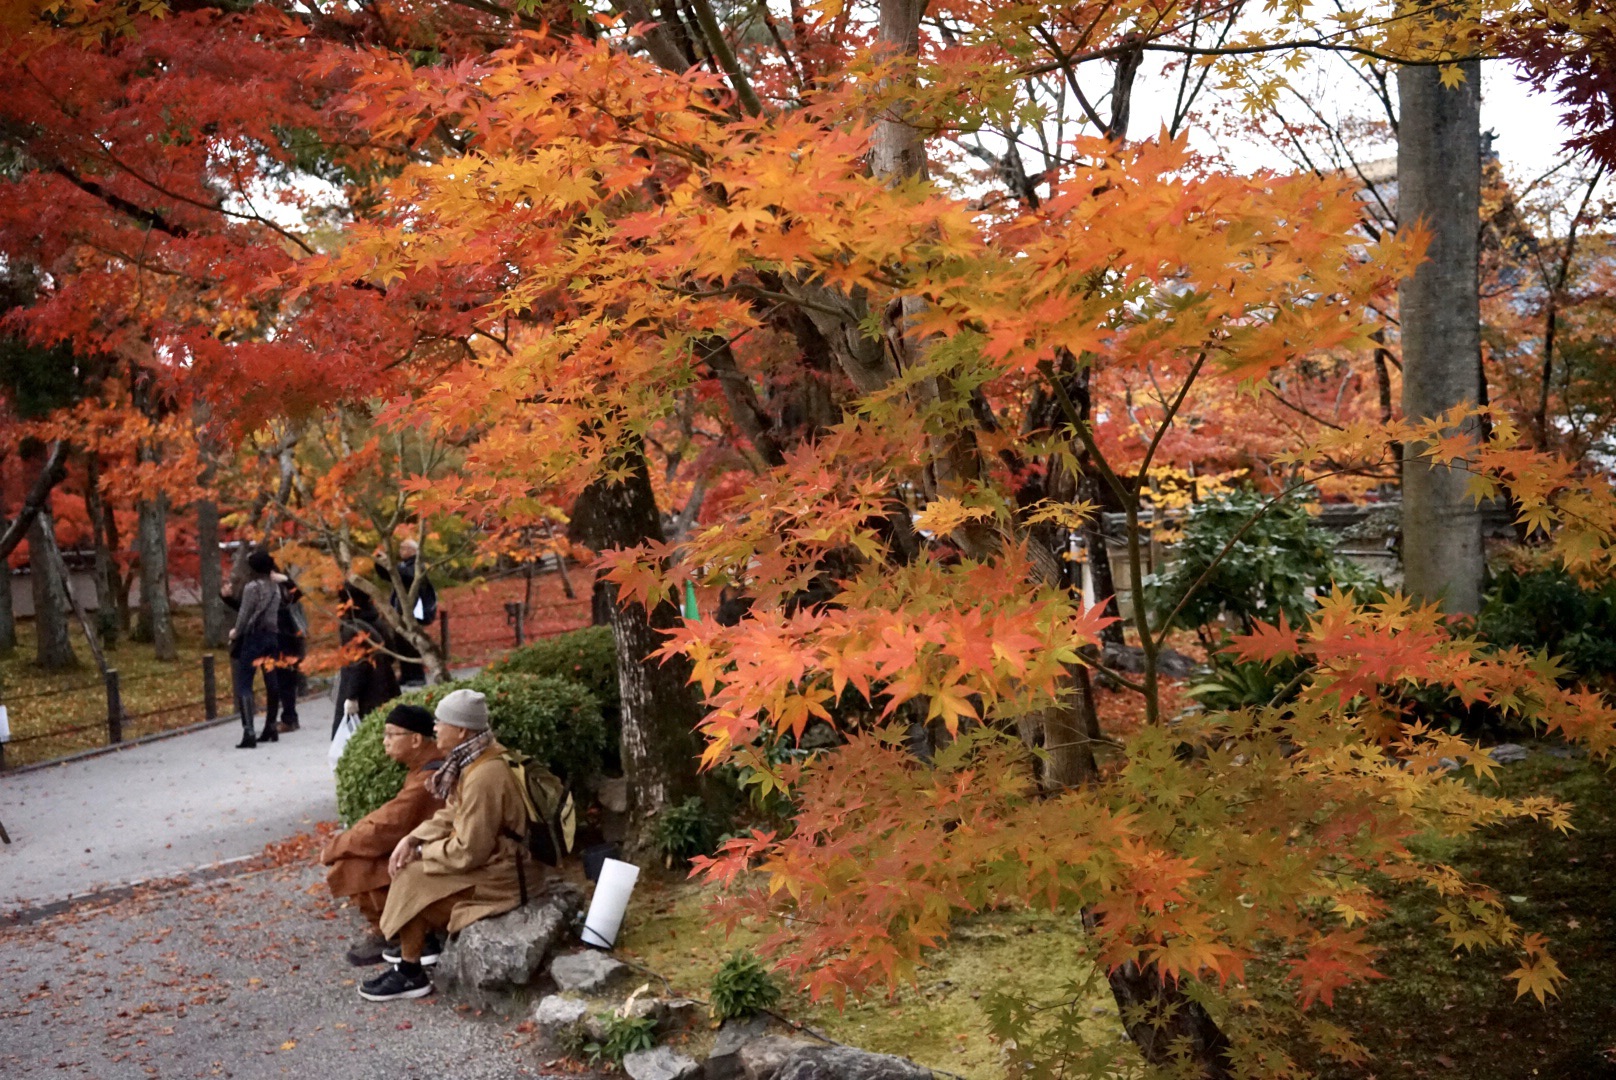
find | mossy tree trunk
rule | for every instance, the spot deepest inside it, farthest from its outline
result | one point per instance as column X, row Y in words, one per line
column 661, row 748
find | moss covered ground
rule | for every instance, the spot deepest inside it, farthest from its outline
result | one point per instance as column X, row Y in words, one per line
column 1435, row 1015
column 938, row 1021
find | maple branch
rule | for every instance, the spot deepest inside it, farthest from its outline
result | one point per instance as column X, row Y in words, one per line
column 1080, row 426
column 150, row 218
column 1152, row 41
column 714, row 34
column 1167, row 421
column 522, row 18
column 50, row 474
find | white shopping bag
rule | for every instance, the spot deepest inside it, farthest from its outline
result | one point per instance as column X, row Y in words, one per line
column 345, row 730
column 5, row 725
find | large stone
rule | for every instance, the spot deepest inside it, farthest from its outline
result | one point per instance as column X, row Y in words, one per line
column 557, row 1014
column 846, row 1063
column 670, row 1014
column 660, row 1063
column 762, row 1059
column 505, row 952
column 588, row 972
column 724, row 1060
column 1509, row 753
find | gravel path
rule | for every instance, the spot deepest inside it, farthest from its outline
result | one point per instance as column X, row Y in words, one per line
column 242, row 977
column 159, row 809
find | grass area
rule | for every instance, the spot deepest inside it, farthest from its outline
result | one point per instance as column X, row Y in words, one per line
column 157, row 695
column 938, row 1022
column 1441, row 1015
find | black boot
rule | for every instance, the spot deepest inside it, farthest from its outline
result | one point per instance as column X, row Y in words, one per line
column 270, row 733
column 248, row 740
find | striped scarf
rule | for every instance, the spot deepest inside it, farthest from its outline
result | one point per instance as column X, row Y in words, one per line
column 443, row 781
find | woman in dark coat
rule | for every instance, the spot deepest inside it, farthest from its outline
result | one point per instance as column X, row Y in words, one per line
column 371, row 681
column 255, row 637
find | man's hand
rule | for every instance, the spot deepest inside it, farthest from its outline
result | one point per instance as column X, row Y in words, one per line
column 407, row 851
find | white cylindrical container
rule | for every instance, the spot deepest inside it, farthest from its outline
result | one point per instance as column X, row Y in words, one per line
column 606, row 910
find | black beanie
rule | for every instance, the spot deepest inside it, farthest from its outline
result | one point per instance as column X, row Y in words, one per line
column 412, row 718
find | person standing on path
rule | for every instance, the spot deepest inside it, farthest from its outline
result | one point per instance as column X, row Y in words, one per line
column 254, row 638
column 462, row 864
column 425, row 611
column 357, row 857
column 370, row 681
column 284, row 674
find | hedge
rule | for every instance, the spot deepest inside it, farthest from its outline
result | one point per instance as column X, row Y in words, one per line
column 555, row 720
column 587, row 656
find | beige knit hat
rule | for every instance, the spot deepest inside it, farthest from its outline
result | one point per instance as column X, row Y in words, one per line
column 463, row 709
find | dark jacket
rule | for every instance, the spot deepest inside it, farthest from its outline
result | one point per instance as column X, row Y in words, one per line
column 427, row 598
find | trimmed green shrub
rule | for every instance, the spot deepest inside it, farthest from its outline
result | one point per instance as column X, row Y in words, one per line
column 587, row 656
column 741, row 987
column 554, row 720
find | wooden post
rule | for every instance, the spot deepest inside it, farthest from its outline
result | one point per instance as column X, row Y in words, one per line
column 443, row 636
column 114, row 709
column 210, row 688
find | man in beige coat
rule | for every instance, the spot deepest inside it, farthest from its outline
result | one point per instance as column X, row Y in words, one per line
column 460, row 865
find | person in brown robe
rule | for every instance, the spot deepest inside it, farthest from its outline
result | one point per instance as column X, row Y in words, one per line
column 462, row 864
column 357, row 857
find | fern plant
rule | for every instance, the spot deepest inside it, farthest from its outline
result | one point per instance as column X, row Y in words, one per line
column 742, row 987
column 624, row 1035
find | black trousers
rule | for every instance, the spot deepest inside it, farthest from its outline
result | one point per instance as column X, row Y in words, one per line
column 280, row 686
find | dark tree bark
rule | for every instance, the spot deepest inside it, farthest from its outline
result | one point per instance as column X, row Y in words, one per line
column 661, row 747
column 8, row 618
column 121, row 582
column 156, row 621
column 107, row 582
column 1168, row 1027
column 215, row 619
column 1439, row 185
column 53, row 647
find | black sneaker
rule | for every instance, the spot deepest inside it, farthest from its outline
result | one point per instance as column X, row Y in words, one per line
column 368, row 952
column 398, row 981
column 431, row 949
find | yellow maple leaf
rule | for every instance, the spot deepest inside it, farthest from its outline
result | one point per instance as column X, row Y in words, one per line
column 944, row 515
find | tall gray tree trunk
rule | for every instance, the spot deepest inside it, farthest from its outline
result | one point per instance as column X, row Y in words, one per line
column 53, row 648
column 156, row 622
column 1439, row 185
column 661, row 748
column 210, row 578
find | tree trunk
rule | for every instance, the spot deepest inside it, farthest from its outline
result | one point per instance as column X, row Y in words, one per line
column 121, row 582
column 107, row 582
column 210, row 578
column 156, row 623
column 53, row 647
column 1439, row 186
column 1167, row 1026
column 8, row 618
column 661, row 747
